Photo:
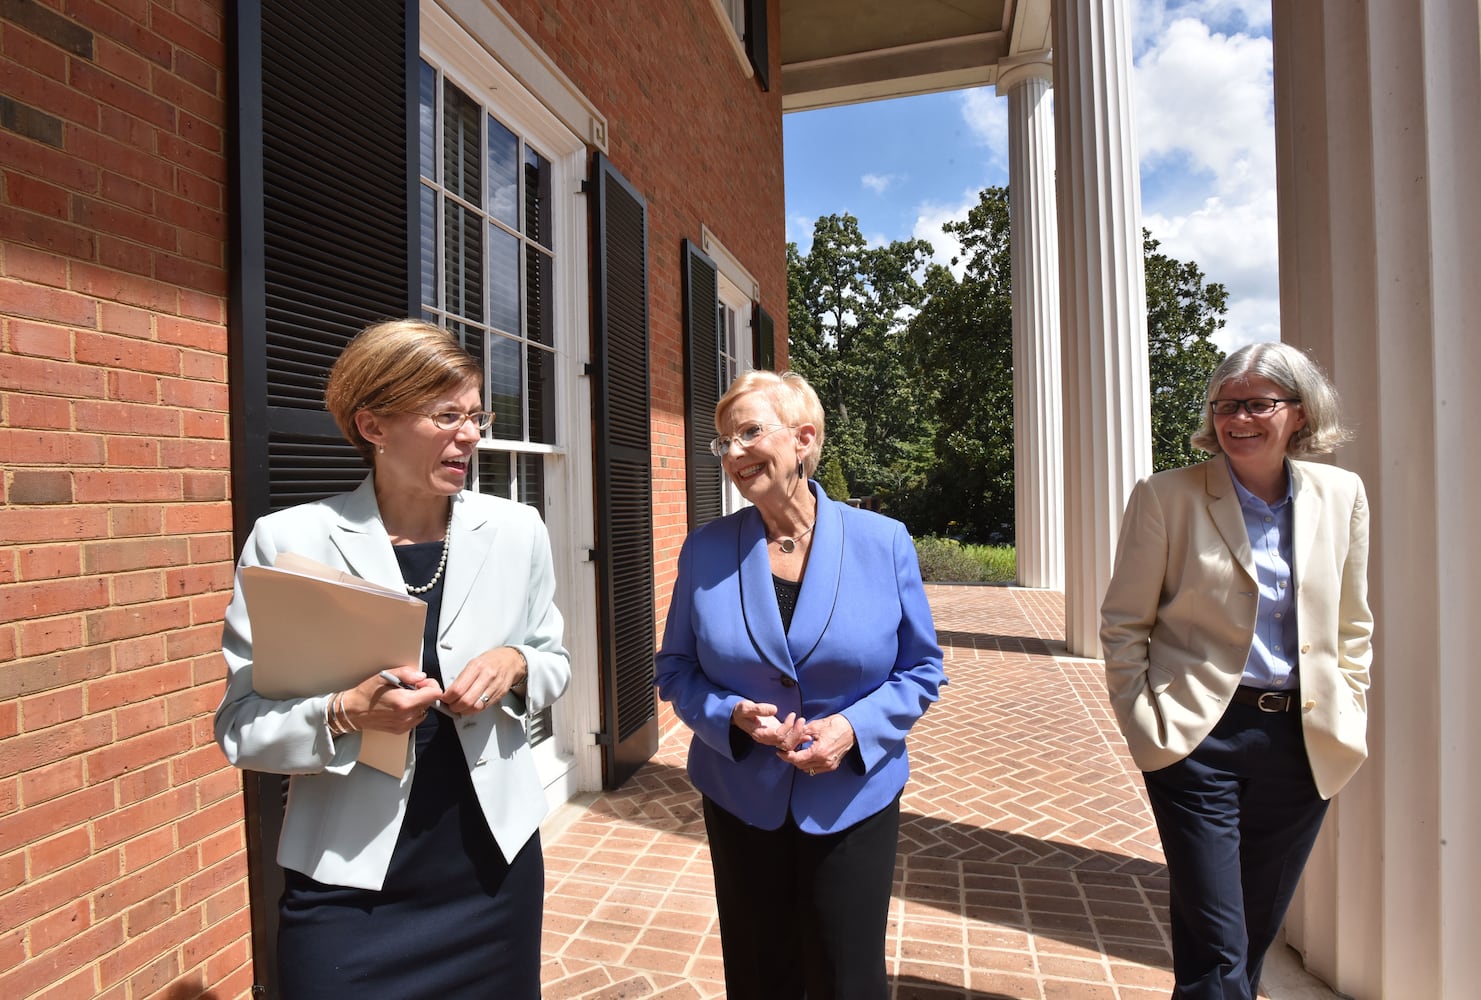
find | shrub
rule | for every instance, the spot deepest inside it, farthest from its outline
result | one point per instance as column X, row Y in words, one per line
column 945, row 560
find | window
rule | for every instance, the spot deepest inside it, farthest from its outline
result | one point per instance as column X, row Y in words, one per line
column 487, row 270
column 735, row 347
column 487, row 256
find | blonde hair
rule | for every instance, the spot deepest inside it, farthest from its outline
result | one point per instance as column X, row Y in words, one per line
column 1298, row 377
column 396, row 366
column 792, row 398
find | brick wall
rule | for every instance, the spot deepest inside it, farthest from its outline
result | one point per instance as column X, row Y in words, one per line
column 703, row 143
column 122, row 863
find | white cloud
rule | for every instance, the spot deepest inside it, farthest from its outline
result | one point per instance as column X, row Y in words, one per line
column 1206, row 135
column 1152, row 17
column 879, row 183
column 986, row 116
column 930, row 217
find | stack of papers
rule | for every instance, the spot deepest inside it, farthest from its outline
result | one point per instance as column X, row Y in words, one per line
column 316, row 629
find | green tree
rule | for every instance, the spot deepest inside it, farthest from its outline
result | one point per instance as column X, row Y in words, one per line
column 848, row 304
column 963, row 343
column 1183, row 312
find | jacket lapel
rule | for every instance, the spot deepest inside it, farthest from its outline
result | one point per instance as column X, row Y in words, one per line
column 820, row 584
column 758, row 594
column 468, row 549
column 1224, row 509
column 1308, row 501
column 361, row 538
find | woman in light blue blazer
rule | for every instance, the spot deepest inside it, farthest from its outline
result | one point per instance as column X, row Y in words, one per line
column 800, row 649
column 430, row 884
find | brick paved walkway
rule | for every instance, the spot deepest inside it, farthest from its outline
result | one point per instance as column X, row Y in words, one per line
column 1029, row 866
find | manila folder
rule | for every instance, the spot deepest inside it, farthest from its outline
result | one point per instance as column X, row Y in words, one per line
column 313, row 634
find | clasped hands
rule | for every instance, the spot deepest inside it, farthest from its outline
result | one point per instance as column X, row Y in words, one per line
column 815, row 747
column 376, row 703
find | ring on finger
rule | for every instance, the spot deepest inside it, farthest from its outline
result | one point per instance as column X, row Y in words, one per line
column 484, row 698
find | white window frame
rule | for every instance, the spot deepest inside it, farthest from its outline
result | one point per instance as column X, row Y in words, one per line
column 570, row 762
column 737, row 292
column 732, row 14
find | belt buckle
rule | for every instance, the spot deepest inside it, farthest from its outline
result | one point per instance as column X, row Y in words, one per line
column 1278, row 701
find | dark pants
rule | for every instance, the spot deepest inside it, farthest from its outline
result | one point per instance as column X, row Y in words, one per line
column 803, row 915
column 1238, row 818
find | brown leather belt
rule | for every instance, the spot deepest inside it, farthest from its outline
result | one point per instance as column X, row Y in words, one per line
column 1267, row 701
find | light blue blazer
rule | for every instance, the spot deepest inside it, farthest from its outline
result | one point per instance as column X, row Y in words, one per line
column 343, row 818
column 862, row 644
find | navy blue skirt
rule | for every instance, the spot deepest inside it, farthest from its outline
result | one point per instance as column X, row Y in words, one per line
column 452, row 920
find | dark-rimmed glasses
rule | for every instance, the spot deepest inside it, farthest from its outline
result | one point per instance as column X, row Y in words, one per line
column 1256, row 407
column 451, row 420
column 745, row 437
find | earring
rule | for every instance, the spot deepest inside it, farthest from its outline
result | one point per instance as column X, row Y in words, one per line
column 799, row 469
column 381, row 450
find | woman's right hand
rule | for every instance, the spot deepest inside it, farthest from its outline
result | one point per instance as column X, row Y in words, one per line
column 376, row 703
column 758, row 720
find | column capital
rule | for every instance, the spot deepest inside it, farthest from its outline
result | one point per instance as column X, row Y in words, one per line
column 1028, row 66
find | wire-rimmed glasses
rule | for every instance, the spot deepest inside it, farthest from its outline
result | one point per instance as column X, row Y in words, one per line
column 745, row 437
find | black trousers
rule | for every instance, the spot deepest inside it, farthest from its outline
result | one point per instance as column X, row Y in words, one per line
column 1238, row 817
column 803, row 915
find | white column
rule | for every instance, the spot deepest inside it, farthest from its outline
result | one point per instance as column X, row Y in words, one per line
column 1038, row 427
column 1378, row 151
column 1103, row 298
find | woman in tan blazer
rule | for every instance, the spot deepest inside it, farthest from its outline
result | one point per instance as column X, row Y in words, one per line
column 1237, row 641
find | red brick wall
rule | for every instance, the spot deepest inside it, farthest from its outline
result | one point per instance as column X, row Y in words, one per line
column 122, row 861
column 703, row 143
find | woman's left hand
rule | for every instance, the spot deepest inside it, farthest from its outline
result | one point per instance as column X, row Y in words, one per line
column 484, row 680
column 832, row 737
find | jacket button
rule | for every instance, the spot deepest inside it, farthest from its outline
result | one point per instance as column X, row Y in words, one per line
column 788, row 682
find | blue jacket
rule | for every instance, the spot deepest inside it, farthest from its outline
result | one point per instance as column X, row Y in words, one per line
column 862, row 643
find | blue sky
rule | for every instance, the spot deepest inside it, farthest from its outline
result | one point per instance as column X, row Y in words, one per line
column 1204, row 118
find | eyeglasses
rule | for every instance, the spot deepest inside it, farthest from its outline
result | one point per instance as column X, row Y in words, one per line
column 1257, row 407
column 745, row 437
column 451, row 420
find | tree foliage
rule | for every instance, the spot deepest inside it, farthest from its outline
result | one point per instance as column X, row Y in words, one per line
column 914, row 365
column 1182, row 314
column 848, row 304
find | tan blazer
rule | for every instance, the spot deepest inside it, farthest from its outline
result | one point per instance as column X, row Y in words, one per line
column 1178, row 617
column 343, row 817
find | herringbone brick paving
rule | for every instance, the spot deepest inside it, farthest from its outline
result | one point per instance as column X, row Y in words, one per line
column 1029, row 866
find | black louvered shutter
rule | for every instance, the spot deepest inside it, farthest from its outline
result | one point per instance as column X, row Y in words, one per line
column 763, row 332
column 756, row 48
column 702, row 388
column 323, row 214
column 624, row 474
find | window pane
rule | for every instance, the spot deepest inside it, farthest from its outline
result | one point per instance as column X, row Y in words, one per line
column 503, row 203
column 503, row 280
column 537, row 197
column 532, row 481
column 461, row 152
column 506, row 388
column 471, row 337
column 430, row 291
column 539, row 314
column 493, row 473
column 427, row 124
column 463, row 260
column 542, row 394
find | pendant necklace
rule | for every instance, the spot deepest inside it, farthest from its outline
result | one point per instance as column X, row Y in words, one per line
column 788, row 543
column 441, row 563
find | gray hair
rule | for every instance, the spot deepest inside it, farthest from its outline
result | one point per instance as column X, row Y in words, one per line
column 1300, row 378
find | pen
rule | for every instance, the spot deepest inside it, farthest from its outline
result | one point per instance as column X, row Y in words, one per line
column 395, row 681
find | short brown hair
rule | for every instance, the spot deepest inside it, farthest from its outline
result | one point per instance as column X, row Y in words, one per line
column 395, row 366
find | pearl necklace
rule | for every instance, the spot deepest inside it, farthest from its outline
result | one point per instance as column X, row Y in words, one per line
column 788, row 543
column 442, row 562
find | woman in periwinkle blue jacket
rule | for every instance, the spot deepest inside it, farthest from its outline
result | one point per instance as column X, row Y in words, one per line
column 800, row 649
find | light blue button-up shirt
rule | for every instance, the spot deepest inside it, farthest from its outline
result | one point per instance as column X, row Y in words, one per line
column 1273, row 656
